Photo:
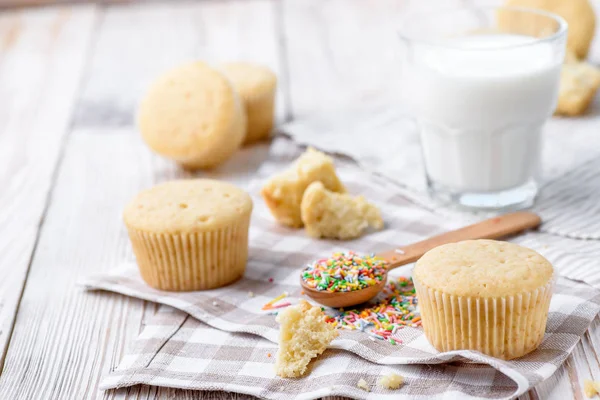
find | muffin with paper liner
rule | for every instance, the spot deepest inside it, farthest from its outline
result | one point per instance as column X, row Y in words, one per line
column 484, row 295
column 190, row 234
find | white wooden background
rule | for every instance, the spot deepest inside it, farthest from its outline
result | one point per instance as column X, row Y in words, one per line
column 70, row 78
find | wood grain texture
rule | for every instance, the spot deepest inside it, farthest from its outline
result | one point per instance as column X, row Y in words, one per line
column 335, row 53
column 138, row 42
column 42, row 55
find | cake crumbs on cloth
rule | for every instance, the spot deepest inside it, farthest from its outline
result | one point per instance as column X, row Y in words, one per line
column 391, row 381
column 362, row 384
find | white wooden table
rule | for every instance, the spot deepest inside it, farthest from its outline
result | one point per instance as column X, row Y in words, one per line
column 70, row 158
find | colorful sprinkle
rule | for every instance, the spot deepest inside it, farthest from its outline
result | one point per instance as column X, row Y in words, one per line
column 271, row 280
column 270, row 304
column 344, row 272
column 280, row 305
column 395, row 308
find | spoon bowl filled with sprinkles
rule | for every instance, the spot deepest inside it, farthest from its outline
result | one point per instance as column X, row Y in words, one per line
column 348, row 279
column 358, row 278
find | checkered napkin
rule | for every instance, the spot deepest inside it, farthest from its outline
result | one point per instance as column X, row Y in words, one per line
column 227, row 343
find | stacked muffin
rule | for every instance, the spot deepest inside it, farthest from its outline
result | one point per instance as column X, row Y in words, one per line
column 193, row 234
column 199, row 116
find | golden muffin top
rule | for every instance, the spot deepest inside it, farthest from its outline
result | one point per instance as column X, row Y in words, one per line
column 483, row 268
column 184, row 206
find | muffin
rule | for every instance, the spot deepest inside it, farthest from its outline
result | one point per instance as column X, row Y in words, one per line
column 256, row 86
column 327, row 214
column 283, row 192
column 190, row 234
column 193, row 115
column 304, row 334
column 484, row 295
column 579, row 14
column 579, row 82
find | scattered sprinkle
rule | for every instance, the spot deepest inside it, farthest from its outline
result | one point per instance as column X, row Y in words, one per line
column 399, row 251
column 270, row 279
column 250, row 294
column 391, row 381
column 270, row 305
column 280, row 305
column 215, row 304
column 362, row 384
column 394, row 309
column 302, row 292
column 269, row 355
column 344, row 272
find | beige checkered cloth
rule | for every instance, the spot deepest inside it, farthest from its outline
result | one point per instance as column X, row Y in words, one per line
column 229, row 344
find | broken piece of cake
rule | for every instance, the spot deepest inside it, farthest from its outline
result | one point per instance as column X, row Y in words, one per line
column 579, row 82
column 392, row 381
column 337, row 215
column 362, row 384
column 283, row 192
column 304, row 335
column 591, row 388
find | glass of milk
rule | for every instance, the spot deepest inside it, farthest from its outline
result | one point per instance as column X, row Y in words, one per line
column 481, row 83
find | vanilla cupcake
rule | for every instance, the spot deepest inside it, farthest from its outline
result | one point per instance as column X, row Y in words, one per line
column 484, row 295
column 190, row 234
column 256, row 86
column 193, row 115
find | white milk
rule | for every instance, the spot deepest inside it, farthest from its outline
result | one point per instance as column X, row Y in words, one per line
column 481, row 109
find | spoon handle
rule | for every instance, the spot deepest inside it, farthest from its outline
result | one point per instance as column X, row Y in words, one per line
column 492, row 228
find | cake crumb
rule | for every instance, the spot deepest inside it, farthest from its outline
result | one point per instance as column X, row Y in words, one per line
column 304, row 335
column 327, row 214
column 250, row 294
column 578, row 85
column 362, row 384
column 591, row 388
column 283, row 192
column 391, row 381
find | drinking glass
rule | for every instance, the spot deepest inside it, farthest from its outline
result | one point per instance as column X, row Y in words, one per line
column 481, row 83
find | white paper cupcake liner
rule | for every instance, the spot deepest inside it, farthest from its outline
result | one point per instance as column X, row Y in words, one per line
column 192, row 261
column 505, row 327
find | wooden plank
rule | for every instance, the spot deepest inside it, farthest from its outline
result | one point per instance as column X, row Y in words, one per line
column 149, row 39
column 557, row 387
column 42, row 54
column 344, row 53
column 65, row 339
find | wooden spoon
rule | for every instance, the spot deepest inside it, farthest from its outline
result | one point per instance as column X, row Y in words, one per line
column 493, row 228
